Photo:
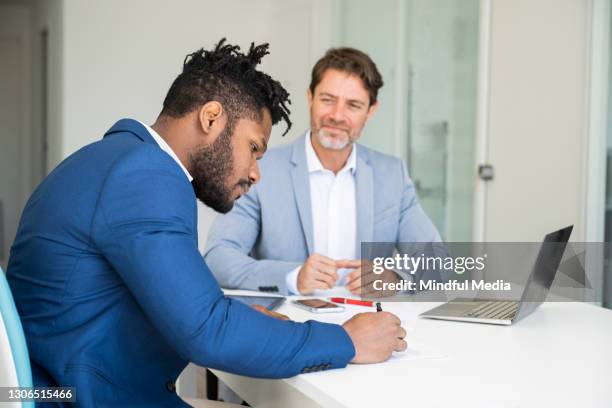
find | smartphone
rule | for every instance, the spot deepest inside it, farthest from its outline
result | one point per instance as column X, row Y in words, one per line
column 318, row 306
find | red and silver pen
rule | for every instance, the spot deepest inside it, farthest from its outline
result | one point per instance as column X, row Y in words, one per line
column 351, row 301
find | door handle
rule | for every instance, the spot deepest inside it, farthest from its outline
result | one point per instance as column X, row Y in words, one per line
column 486, row 172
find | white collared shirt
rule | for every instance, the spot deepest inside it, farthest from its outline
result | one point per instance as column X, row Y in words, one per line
column 166, row 148
column 334, row 215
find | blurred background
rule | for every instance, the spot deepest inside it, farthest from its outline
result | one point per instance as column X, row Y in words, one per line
column 499, row 107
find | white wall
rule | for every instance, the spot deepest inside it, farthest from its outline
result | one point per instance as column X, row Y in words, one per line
column 120, row 57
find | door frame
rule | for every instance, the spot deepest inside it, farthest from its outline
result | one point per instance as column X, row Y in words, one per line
column 596, row 141
column 598, row 94
column 482, row 120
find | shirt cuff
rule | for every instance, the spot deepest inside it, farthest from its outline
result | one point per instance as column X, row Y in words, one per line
column 291, row 281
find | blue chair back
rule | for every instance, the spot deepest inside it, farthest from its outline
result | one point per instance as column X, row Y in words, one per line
column 15, row 335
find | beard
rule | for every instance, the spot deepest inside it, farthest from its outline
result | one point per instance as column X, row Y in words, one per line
column 212, row 167
column 338, row 141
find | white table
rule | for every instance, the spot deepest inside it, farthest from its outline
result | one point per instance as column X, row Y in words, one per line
column 560, row 356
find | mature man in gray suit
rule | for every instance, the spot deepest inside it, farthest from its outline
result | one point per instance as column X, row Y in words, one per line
column 301, row 228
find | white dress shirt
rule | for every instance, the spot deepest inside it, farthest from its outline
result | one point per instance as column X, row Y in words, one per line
column 334, row 216
column 166, row 148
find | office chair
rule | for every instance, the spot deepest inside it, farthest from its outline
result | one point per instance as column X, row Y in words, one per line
column 14, row 360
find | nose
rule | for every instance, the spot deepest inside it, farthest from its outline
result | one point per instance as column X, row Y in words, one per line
column 254, row 174
column 338, row 113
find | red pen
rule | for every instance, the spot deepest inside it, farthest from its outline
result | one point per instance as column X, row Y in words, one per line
column 351, row 301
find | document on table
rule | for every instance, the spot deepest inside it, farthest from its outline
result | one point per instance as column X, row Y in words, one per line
column 416, row 350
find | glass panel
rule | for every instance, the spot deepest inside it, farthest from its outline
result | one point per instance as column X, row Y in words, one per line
column 608, row 215
column 378, row 39
column 426, row 51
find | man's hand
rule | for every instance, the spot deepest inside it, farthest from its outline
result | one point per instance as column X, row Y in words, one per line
column 318, row 272
column 270, row 313
column 361, row 281
column 375, row 336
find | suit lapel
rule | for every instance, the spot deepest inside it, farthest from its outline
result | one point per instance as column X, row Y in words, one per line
column 364, row 191
column 301, row 190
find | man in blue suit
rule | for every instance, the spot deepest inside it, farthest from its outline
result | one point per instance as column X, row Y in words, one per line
column 301, row 229
column 113, row 293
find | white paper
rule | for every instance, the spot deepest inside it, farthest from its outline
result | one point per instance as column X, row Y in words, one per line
column 415, row 351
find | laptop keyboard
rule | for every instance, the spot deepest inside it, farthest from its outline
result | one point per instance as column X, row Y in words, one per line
column 494, row 309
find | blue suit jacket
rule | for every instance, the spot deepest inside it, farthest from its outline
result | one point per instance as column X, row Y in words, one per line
column 114, row 295
column 269, row 232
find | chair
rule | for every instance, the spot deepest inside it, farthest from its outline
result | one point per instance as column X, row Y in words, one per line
column 14, row 359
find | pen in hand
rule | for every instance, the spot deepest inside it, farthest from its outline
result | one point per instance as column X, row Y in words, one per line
column 379, row 309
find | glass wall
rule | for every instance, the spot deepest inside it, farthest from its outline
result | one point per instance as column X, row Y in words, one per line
column 426, row 51
column 608, row 208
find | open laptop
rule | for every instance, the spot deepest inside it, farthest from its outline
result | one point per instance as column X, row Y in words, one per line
column 507, row 312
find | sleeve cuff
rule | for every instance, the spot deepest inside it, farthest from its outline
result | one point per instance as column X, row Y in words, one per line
column 291, row 281
column 329, row 346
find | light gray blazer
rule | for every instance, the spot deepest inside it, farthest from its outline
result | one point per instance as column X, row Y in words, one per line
column 269, row 231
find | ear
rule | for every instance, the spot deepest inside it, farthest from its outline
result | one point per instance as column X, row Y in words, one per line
column 372, row 109
column 210, row 118
column 309, row 95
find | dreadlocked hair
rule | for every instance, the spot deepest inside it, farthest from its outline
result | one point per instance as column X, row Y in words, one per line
column 228, row 76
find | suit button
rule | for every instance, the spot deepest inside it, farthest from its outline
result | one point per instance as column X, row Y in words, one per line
column 170, row 386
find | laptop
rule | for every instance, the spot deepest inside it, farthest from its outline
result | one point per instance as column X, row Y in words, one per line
column 506, row 312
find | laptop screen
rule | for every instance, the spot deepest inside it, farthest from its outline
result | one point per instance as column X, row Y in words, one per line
column 544, row 270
